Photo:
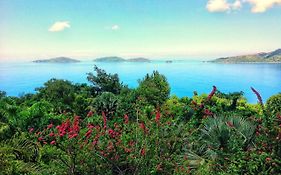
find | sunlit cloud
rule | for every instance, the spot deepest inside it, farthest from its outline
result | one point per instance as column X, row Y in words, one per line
column 59, row 26
column 258, row 6
column 218, row 6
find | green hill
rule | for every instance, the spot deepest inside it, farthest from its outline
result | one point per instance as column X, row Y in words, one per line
column 119, row 59
column 270, row 57
column 57, row 60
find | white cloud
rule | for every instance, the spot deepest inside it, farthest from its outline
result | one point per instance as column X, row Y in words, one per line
column 59, row 26
column 218, row 6
column 115, row 27
column 236, row 5
column 259, row 6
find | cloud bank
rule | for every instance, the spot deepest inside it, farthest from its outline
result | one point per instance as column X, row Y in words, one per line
column 257, row 6
column 59, row 26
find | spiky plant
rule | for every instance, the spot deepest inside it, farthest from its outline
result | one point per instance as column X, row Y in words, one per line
column 220, row 137
column 227, row 133
column 19, row 155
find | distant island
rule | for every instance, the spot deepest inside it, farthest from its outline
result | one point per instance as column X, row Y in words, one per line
column 57, row 60
column 119, row 59
column 264, row 57
column 138, row 60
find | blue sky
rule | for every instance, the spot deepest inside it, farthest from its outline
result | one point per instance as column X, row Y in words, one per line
column 191, row 29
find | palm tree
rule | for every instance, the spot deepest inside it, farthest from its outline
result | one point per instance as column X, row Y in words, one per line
column 19, row 155
column 220, row 137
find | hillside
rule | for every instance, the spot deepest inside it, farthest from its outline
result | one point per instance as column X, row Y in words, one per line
column 138, row 60
column 57, row 60
column 119, row 59
column 109, row 59
column 263, row 57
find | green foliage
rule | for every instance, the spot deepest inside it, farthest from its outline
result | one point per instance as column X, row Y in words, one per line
column 154, row 89
column 273, row 104
column 60, row 93
column 177, row 108
column 2, row 94
column 38, row 114
column 104, row 82
column 142, row 130
column 107, row 103
column 19, row 155
column 233, row 97
column 227, row 135
column 127, row 102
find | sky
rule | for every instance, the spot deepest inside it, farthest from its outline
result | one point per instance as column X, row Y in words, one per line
column 188, row 29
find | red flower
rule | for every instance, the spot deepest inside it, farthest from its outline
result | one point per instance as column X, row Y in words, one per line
column 208, row 112
column 157, row 117
column 51, row 134
column 230, row 124
column 143, row 152
column 70, row 136
column 212, row 93
column 127, row 150
column 90, row 126
column 268, row 159
column 257, row 133
column 112, row 133
column 88, row 133
column 95, row 142
column 193, row 102
column 159, row 167
column 53, row 142
column 90, row 114
column 40, row 138
column 126, row 119
column 50, row 126
column 142, row 126
column 31, row 130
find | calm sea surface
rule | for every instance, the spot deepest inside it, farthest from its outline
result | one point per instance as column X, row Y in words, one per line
column 184, row 77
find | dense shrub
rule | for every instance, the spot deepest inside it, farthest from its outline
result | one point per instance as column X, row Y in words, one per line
column 106, row 102
column 273, row 104
column 154, row 89
column 104, row 82
column 58, row 92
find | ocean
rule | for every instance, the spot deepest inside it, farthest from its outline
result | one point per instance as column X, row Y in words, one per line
column 184, row 77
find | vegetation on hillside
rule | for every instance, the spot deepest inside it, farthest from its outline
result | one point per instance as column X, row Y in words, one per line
column 270, row 57
column 104, row 127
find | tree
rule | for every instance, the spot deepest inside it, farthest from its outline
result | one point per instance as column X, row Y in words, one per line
column 2, row 94
column 104, row 82
column 107, row 103
column 154, row 89
column 60, row 93
column 273, row 104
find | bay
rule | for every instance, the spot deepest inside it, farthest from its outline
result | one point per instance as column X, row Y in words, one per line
column 184, row 77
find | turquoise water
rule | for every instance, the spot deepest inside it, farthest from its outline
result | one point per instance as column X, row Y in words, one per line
column 184, row 77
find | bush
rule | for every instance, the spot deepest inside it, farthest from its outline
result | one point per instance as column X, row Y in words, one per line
column 104, row 82
column 2, row 94
column 273, row 104
column 154, row 89
column 107, row 103
column 60, row 93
